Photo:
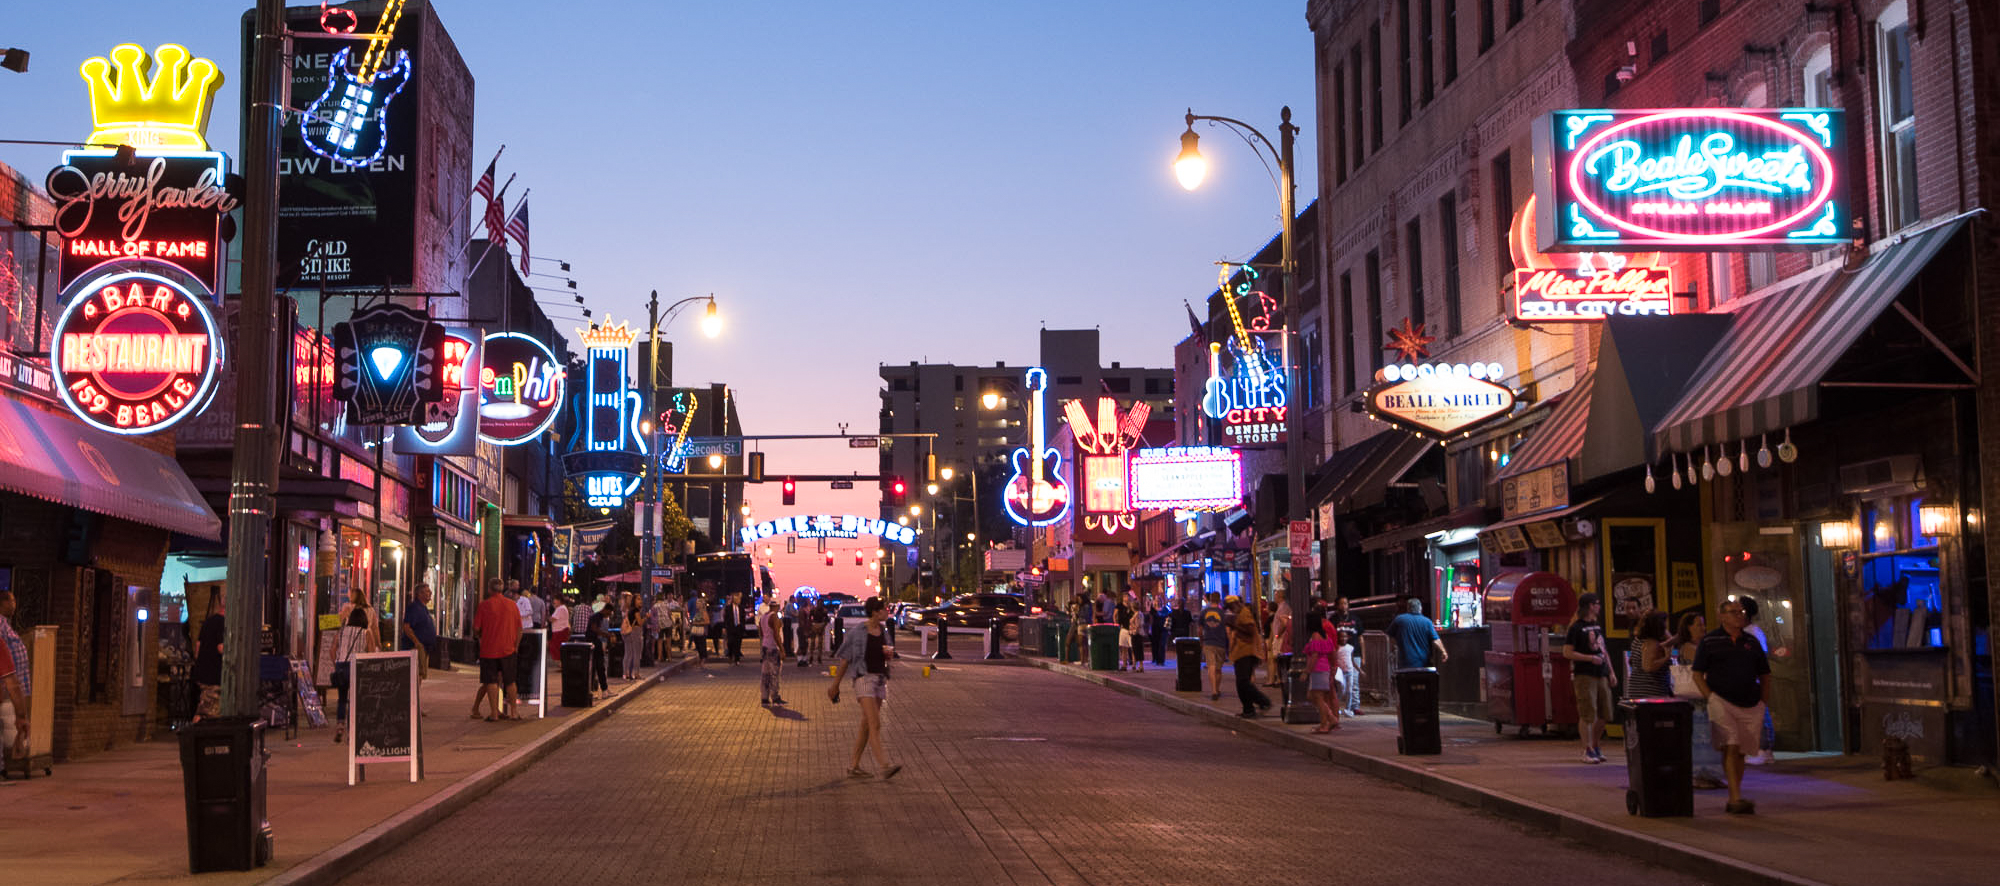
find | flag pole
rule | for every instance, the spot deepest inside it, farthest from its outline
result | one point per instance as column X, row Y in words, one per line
column 455, row 216
column 503, row 234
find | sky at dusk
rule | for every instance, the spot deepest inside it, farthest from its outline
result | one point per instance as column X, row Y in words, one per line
column 857, row 183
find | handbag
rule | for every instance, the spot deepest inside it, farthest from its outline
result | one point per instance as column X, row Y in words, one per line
column 699, row 630
column 1682, row 677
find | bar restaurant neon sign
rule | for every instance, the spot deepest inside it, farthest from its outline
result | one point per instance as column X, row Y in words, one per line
column 1696, row 179
column 136, row 352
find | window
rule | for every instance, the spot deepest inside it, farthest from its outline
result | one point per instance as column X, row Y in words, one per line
column 1660, row 47
column 1427, row 33
column 1372, row 275
column 1152, row 385
column 1345, row 353
column 1760, row 268
column 1454, row 318
column 1119, row 385
column 1339, row 114
column 1403, row 94
column 1354, row 130
column 1309, row 366
column 1514, row 11
column 1898, row 118
column 1818, row 79
column 1485, row 23
column 1413, row 248
column 1503, row 212
column 1610, row 82
column 1450, row 41
column 1375, row 104
column 1721, row 283
column 1707, row 11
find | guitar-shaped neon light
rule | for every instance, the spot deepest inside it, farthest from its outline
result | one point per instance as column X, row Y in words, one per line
column 346, row 123
column 1036, row 495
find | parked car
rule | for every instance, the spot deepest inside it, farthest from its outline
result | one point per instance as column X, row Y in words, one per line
column 981, row 610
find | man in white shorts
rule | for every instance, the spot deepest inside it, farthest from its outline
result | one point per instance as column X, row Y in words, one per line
column 1733, row 675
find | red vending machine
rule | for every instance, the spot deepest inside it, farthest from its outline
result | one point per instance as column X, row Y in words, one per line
column 1526, row 684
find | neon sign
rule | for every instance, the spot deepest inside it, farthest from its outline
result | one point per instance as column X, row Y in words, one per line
column 829, row 526
column 169, row 208
column 520, row 389
column 1583, row 286
column 168, row 111
column 136, row 352
column 347, row 123
column 1691, row 179
column 607, row 449
column 1190, row 478
column 1104, row 441
column 1440, row 399
column 1248, row 396
column 451, row 425
column 1036, row 494
column 388, row 358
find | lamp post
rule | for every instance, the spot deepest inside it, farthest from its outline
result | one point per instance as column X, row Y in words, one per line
column 1190, row 168
column 711, row 325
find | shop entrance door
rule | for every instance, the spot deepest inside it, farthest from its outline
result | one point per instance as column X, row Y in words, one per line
column 1822, row 640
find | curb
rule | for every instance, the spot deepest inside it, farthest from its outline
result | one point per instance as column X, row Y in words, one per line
column 356, row 852
column 1560, row 822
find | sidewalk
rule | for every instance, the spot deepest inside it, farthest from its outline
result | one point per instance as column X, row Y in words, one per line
column 1821, row 819
column 120, row 815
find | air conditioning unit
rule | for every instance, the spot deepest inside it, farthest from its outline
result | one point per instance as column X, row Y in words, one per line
column 1895, row 475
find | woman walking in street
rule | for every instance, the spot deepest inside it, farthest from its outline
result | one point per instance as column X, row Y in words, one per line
column 1278, row 639
column 1705, row 757
column 1320, row 651
column 1141, row 628
column 865, row 653
column 357, row 634
column 1646, row 662
column 635, row 629
column 698, row 626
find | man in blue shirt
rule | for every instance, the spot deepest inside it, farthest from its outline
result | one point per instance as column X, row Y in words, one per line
column 418, row 626
column 1414, row 637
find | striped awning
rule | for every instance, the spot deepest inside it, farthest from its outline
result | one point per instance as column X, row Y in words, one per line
column 1764, row 374
column 1560, row 436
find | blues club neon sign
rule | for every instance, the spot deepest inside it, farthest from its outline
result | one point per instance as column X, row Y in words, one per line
column 607, row 452
column 1695, row 179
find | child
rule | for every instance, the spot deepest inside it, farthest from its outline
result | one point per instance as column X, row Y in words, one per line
column 1350, row 674
column 1320, row 652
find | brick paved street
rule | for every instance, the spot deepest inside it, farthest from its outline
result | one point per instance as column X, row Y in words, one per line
column 1014, row 775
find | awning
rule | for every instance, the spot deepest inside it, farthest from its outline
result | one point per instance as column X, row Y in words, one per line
column 1643, row 365
column 1764, row 374
column 535, row 522
column 1359, row 475
column 1559, row 437
column 1469, row 516
column 1544, row 528
column 53, row 458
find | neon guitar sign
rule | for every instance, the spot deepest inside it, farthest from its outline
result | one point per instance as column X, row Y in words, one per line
column 346, row 123
column 1036, row 495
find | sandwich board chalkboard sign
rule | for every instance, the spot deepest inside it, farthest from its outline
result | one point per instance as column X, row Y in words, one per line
column 382, row 716
column 536, row 641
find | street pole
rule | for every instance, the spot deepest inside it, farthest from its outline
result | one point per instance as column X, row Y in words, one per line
column 651, row 498
column 254, row 469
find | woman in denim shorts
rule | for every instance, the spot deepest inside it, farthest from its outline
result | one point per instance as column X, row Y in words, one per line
column 866, row 653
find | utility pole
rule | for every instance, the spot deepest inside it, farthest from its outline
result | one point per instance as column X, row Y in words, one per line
column 254, row 469
column 648, row 540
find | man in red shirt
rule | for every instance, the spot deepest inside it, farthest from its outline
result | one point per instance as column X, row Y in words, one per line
column 497, row 625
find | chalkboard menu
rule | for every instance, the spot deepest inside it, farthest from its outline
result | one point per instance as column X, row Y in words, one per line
column 382, row 723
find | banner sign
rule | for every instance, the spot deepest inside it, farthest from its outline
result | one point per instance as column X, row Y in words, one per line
column 1191, row 478
column 829, row 526
column 136, row 350
column 390, row 361
column 347, row 171
column 1694, row 179
column 520, row 388
column 588, row 537
column 1440, row 399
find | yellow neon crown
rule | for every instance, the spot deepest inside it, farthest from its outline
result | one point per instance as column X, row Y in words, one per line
column 608, row 336
column 128, row 108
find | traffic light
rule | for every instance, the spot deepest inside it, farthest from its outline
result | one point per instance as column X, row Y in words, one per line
column 829, row 558
column 791, row 488
column 897, row 489
column 857, row 558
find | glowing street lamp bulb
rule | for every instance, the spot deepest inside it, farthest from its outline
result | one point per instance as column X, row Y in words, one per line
column 715, row 461
column 916, row 510
column 902, row 521
column 945, row 472
column 1189, row 167
column 879, row 552
column 930, row 488
column 711, row 322
column 989, row 400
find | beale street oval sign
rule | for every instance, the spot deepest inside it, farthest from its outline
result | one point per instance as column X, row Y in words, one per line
column 1442, row 400
column 135, row 352
column 1691, row 179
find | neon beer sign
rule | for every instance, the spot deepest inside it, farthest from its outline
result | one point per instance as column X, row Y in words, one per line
column 1690, row 179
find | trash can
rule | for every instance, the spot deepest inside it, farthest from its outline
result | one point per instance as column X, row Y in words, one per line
column 614, row 655
column 1032, row 634
column 1297, row 708
column 1187, row 664
column 576, row 675
column 1659, row 759
column 222, row 774
column 1417, row 711
column 1104, row 647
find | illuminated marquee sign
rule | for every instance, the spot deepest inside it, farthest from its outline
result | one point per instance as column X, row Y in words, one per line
column 136, row 352
column 1440, row 399
column 830, row 526
column 1036, row 494
column 1247, row 393
column 675, row 423
column 1190, row 478
column 168, row 111
column 1104, row 441
column 607, row 452
column 520, row 389
column 1695, row 179
column 389, row 359
column 451, row 425
column 1583, row 286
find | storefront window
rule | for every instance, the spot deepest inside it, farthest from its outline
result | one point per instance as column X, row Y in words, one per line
column 1899, row 580
column 389, row 589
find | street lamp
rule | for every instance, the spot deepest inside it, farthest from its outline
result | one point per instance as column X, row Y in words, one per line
column 1190, row 169
column 711, row 324
column 989, row 400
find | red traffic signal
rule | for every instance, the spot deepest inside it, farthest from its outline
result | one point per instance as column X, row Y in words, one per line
column 857, row 558
column 791, row 488
column 829, row 558
column 897, row 490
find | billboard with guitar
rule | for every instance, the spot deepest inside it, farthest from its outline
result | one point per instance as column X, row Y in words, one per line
column 1036, row 494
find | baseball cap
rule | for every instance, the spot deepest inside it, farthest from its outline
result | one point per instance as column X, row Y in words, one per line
column 1232, row 598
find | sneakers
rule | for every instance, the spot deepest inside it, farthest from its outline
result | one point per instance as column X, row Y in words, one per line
column 1760, row 758
column 890, row 772
column 777, row 700
column 1593, row 756
column 858, row 772
column 1740, row 807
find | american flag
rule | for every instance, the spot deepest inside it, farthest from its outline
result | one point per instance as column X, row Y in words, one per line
column 494, row 218
column 517, row 228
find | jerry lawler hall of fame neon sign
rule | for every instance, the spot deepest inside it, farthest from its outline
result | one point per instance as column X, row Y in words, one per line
column 1695, row 179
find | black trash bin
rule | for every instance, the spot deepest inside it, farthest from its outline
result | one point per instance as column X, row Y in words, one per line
column 576, row 675
column 1103, row 647
column 1187, row 664
column 1297, row 707
column 222, row 774
column 1659, row 757
column 1417, row 711
column 614, row 655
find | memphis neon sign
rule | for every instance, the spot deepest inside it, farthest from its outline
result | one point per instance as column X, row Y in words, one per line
column 136, row 353
column 1692, row 178
column 520, row 389
column 829, row 526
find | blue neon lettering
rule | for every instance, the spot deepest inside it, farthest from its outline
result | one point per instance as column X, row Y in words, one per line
column 1690, row 174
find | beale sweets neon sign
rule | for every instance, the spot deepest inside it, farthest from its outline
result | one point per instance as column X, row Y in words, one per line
column 1696, row 179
